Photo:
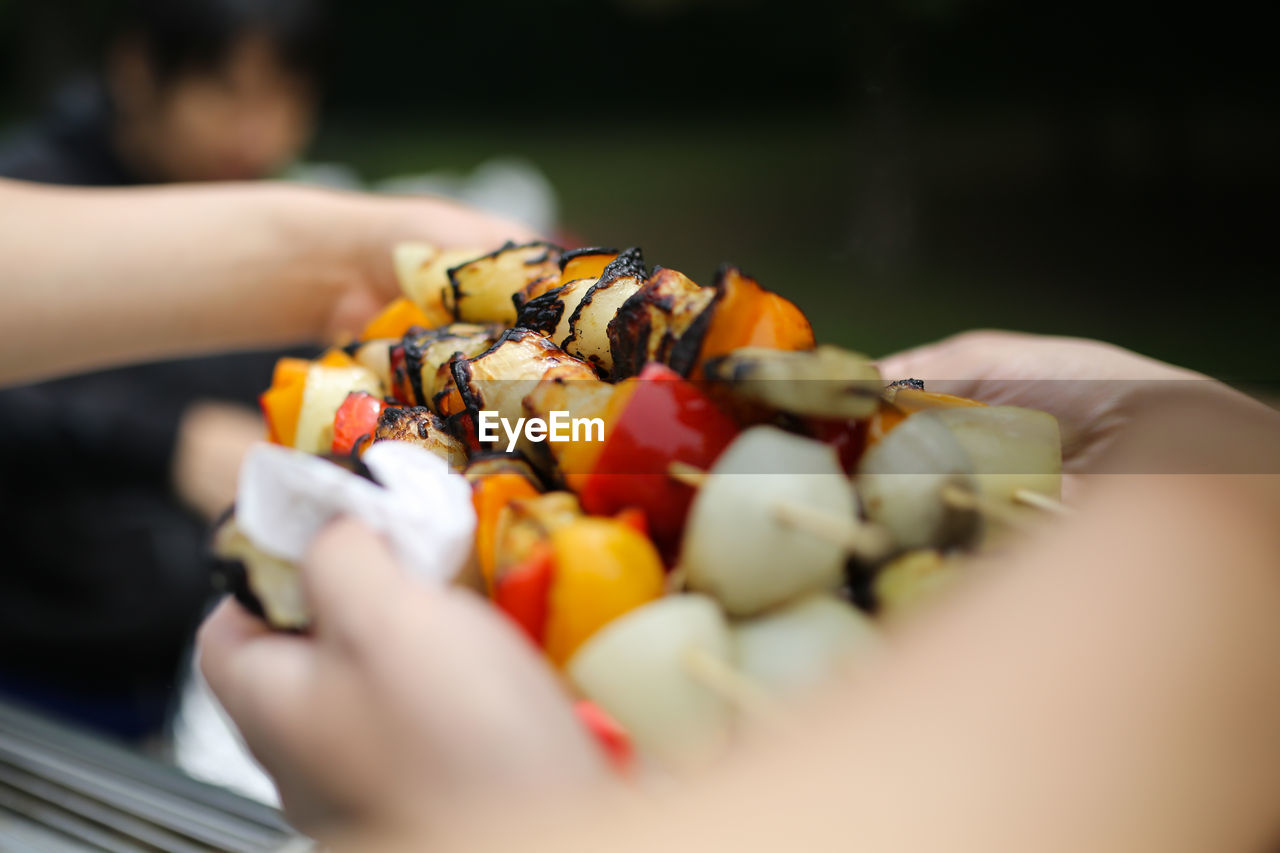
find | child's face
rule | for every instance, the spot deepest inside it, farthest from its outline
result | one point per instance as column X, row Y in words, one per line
column 244, row 121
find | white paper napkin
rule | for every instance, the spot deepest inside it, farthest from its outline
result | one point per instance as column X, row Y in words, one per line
column 286, row 496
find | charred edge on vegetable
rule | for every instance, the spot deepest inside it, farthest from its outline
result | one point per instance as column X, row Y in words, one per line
column 437, row 402
column 461, row 370
column 577, row 312
column 501, row 461
column 629, row 263
column 565, row 257
column 421, row 421
column 231, row 577
column 724, row 271
column 456, row 288
column 628, row 333
column 860, row 587
column 542, row 313
column 713, row 369
column 413, row 348
column 685, row 350
column 915, row 384
column 520, row 298
column 352, row 462
column 462, row 426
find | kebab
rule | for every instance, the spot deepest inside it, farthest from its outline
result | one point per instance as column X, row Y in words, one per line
column 757, row 485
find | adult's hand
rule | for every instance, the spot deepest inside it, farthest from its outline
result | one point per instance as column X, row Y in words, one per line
column 404, row 703
column 1095, row 389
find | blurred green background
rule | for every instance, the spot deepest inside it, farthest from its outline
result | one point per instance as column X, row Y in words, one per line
column 903, row 170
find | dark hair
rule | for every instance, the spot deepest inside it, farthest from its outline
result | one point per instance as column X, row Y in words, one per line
column 184, row 36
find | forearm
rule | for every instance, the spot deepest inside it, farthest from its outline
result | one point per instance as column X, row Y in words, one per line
column 98, row 277
column 1112, row 689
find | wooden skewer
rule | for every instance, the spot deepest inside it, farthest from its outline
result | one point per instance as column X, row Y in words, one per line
column 691, row 476
column 967, row 499
column 728, row 683
column 869, row 541
column 865, row 540
column 1041, row 501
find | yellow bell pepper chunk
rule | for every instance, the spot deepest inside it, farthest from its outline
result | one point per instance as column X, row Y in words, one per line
column 603, row 569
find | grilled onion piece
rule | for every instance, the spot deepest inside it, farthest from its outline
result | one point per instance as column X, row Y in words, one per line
column 325, row 390
column 483, row 288
column 637, row 669
column 423, row 272
column 992, row 450
column 1010, row 448
column 589, row 323
column 266, row 586
column 499, row 378
column 737, row 549
column 797, row 647
column 376, row 356
column 426, row 352
column 901, row 480
column 826, row 382
column 664, row 321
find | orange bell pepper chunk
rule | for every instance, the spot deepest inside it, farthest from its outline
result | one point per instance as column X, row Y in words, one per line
column 397, row 318
column 603, row 569
column 335, row 357
column 282, row 402
column 281, row 406
column 289, row 370
column 747, row 315
column 489, row 497
column 586, row 266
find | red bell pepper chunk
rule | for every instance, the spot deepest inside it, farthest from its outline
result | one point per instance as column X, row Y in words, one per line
column 849, row 438
column 609, row 733
column 356, row 417
column 666, row 419
column 521, row 592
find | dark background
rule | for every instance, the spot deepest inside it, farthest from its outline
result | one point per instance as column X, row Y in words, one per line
column 901, row 169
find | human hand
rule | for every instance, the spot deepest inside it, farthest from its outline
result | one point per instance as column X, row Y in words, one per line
column 1094, row 389
column 213, row 438
column 354, row 234
column 405, row 704
column 159, row 272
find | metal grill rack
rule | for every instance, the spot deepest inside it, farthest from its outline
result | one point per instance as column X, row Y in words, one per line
column 62, row 790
